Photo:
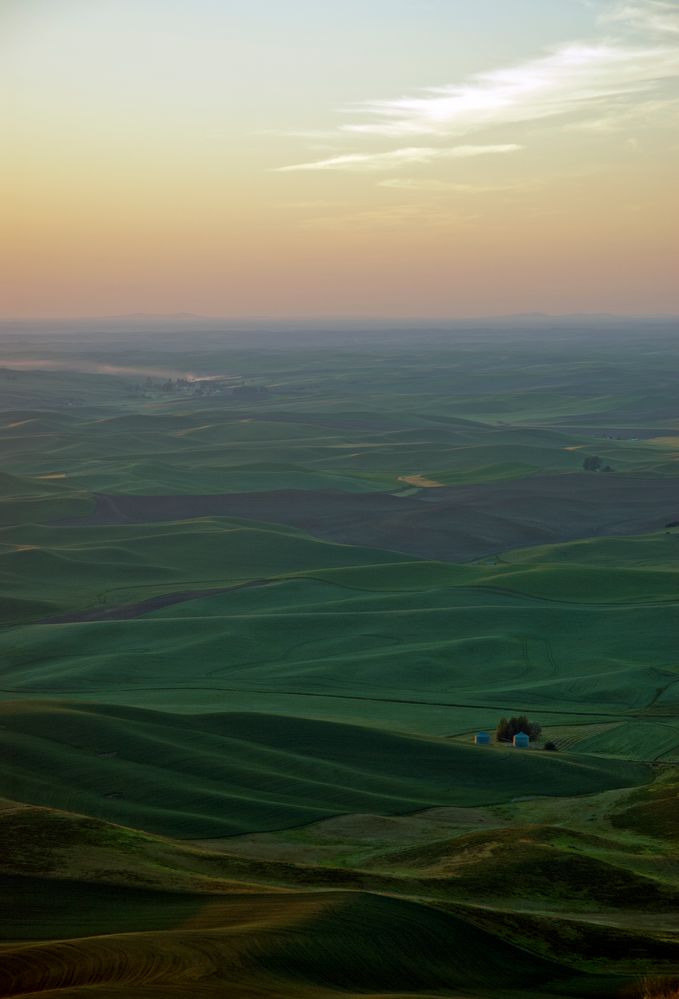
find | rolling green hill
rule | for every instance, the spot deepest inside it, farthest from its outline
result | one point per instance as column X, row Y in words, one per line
column 216, row 775
column 247, row 931
column 340, row 944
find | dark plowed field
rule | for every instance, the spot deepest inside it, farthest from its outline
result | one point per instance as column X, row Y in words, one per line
column 456, row 523
column 128, row 611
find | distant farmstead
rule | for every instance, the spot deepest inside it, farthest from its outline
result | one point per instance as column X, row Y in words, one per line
column 521, row 740
column 482, row 739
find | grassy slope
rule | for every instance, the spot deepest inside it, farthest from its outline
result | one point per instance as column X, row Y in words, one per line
column 446, row 647
column 328, row 945
column 358, row 941
column 216, row 775
column 555, row 632
column 81, row 569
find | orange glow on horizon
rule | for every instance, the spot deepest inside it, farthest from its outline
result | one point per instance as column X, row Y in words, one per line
column 147, row 172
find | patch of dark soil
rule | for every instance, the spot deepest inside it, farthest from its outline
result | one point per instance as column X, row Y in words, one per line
column 456, row 523
column 126, row 612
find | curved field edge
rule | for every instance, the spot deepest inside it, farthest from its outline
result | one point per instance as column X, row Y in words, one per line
column 559, row 864
column 342, row 942
column 223, row 774
column 305, row 927
column 64, row 574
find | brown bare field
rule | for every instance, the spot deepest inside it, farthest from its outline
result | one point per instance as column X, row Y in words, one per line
column 421, row 481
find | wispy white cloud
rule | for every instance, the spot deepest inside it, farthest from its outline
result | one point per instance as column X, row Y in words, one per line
column 627, row 77
column 653, row 16
column 572, row 78
column 395, row 158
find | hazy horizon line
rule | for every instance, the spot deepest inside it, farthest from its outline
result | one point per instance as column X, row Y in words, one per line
column 338, row 317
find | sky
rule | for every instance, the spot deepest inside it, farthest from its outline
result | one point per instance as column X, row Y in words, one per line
column 366, row 158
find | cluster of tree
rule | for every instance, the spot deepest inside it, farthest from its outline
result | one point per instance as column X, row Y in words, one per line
column 183, row 385
column 209, row 388
column 178, row 385
column 593, row 463
column 509, row 727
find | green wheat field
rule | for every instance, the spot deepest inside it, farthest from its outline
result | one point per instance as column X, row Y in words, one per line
column 259, row 590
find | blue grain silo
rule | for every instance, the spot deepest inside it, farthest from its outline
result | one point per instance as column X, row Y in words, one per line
column 521, row 740
column 482, row 739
